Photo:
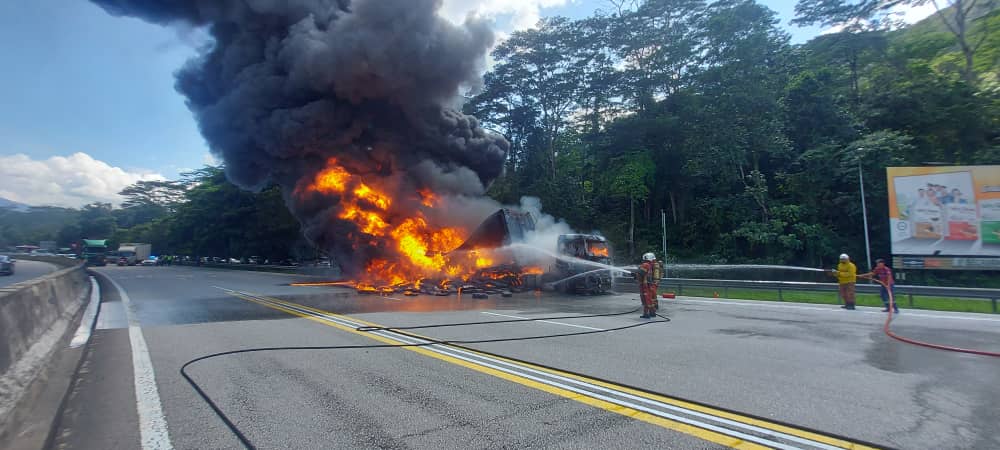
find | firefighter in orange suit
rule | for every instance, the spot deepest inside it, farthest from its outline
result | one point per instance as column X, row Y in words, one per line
column 649, row 276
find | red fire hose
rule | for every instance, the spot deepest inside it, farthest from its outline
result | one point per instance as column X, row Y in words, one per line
column 890, row 333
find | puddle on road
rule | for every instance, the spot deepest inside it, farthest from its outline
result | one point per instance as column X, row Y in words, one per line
column 225, row 308
column 891, row 355
column 349, row 302
column 744, row 333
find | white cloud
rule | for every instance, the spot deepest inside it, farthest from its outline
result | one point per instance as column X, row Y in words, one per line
column 69, row 181
column 910, row 14
column 914, row 14
column 521, row 13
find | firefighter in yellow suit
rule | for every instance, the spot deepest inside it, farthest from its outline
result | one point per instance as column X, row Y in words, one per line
column 847, row 277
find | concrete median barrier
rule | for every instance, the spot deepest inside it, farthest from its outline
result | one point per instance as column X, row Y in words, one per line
column 36, row 317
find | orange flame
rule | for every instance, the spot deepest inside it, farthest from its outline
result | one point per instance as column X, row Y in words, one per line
column 532, row 271
column 482, row 262
column 380, row 201
column 420, row 248
column 333, row 179
column 598, row 249
column 412, row 249
column 427, row 198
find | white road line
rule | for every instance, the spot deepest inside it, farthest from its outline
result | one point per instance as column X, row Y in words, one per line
column 831, row 308
column 152, row 424
column 82, row 334
column 546, row 321
column 584, row 388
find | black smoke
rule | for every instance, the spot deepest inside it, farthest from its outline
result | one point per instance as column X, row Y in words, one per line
column 286, row 85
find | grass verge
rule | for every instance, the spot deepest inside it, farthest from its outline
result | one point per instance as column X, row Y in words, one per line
column 830, row 298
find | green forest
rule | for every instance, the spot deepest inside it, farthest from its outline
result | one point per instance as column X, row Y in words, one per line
column 703, row 112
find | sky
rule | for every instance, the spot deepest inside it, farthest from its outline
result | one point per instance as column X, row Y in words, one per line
column 88, row 101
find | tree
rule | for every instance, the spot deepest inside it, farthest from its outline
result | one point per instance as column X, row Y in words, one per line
column 219, row 219
column 656, row 43
column 956, row 15
column 540, row 68
column 848, row 49
column 146, row 201
column 97, row 221
column 163, row 193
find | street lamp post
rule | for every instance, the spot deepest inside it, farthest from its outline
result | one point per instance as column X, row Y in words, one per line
column 663, row 220
column 864, row 211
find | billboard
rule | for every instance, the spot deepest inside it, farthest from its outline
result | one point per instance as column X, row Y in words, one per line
column 945, row 211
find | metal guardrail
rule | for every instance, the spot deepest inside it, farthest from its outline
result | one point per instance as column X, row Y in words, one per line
column 909, row 291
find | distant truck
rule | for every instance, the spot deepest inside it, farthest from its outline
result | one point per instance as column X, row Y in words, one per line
column 133, row 253
column 95, row 251
column 48, row 246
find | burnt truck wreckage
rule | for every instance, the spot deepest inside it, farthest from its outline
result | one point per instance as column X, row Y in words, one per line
column 570, row 275
column 585, row 278
column 515, row 268
column 500, row 229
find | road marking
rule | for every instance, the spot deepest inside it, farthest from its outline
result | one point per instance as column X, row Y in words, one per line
column 721, row 427
column 546, row 321
column 831, row 308
column 82, row 334
column 152, row 424
column 587, row 381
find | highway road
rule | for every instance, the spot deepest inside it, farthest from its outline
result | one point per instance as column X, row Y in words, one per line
column 25, row 270
column 719, row 374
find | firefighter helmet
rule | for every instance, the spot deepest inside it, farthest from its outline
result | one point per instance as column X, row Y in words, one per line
column 649, row 257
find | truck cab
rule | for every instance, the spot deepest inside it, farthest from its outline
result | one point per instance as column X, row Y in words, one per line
column 588, row 278
column 95, row 251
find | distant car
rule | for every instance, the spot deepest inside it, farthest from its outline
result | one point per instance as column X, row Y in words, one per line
column 151, row 261
column 6, row 265
column 122, row 261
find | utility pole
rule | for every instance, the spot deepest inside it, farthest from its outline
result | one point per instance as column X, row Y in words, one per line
column 864, row 212
column 663, row 219
column 631, row 228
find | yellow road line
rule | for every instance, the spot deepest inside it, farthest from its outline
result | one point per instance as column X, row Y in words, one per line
column 700, row 433
column 837, row 442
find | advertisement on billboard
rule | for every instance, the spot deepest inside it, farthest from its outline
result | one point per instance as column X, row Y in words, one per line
column 945, row 211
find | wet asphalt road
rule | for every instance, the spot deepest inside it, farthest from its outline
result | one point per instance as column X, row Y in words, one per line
column 25, row 270
column 814, row 367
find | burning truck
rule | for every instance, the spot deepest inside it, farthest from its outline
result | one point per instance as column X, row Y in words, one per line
column 496, row 259
column 570, row 270
column 576, row 274
column 504, row 263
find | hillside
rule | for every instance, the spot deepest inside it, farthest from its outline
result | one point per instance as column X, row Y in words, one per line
column 12, row 205
column 930, row 39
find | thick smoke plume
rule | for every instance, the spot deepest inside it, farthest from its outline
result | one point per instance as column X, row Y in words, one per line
column 288, row 85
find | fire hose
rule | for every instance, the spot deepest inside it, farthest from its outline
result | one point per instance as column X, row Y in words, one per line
column 888, row 331
column 245, row 440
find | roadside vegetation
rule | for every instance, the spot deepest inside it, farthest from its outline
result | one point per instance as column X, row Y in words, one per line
column 830, row 298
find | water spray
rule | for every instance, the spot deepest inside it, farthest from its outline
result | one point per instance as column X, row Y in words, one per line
column 572, row 277
column 708, row 267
